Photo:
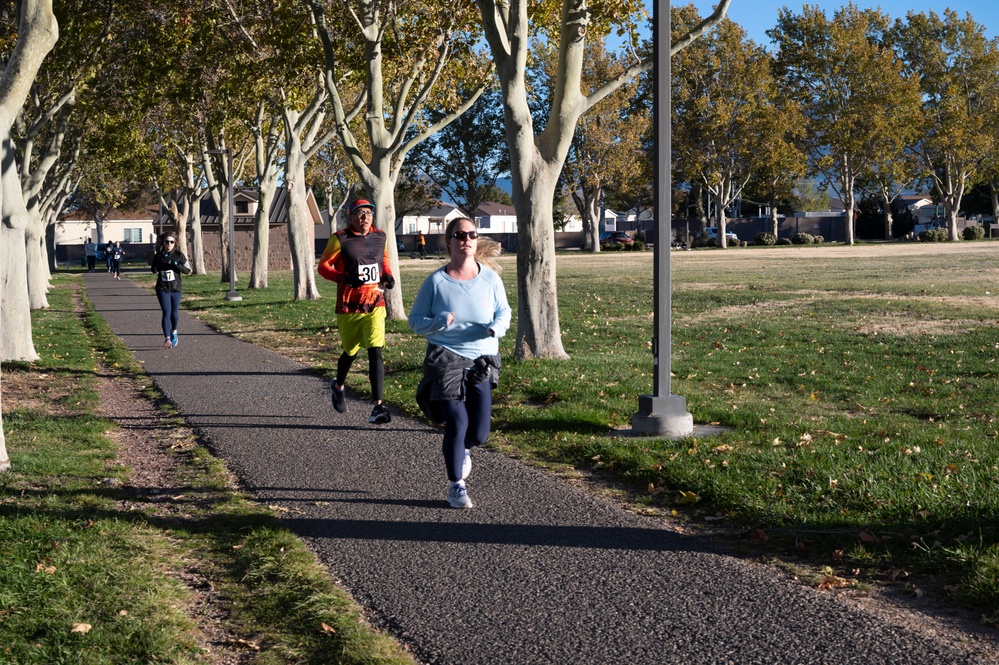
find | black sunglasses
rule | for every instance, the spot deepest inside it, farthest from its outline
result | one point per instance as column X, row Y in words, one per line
column 462, row 235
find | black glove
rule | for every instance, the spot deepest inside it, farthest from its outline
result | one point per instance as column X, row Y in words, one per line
column 478, row 372
column 388, row 281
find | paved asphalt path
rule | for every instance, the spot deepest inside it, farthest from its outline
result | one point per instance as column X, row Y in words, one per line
column 537, row 572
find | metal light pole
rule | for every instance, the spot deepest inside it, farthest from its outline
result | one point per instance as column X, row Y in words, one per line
column 662, row 413
column 232, row 296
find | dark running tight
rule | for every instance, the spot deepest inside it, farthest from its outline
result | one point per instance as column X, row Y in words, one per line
column 466, row 424
column 170, row 304
column 376, row 371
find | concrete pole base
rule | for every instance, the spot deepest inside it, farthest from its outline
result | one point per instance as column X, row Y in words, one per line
column 662, row 417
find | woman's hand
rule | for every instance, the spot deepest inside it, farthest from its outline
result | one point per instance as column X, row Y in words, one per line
column 450, row 319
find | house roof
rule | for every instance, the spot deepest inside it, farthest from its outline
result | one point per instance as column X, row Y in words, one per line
column 442, row 210
column 278, row 213
column 247, row 194
column 492, row 209
column 146, row 213
column 916, row 200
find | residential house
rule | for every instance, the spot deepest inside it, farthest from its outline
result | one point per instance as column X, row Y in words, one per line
column 133, row 228
column 922, row 207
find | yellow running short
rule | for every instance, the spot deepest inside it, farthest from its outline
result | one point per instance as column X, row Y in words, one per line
column 366, row 330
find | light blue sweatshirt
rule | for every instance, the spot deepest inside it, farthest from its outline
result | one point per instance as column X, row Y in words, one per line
column 479, row 304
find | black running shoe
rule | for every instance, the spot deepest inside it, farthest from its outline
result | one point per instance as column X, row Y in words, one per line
column 339, row 397
column 379, row 415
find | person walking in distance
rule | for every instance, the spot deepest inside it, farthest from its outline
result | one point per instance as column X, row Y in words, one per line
column 356, row 259
column 117, row 254
column 421, row 243
column 90, row 249
column 168, row 264
column 462, row 310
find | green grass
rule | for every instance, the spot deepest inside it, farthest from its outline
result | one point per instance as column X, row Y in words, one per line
column 859, row 389
column 79, row 548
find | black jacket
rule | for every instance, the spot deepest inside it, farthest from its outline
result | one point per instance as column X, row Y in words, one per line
column 445, row 375
column 168, row 268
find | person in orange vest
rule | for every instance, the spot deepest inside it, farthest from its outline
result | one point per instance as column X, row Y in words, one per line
column 356, row 259
column 421, row 242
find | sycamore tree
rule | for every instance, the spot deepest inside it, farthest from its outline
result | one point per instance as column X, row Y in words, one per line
column 266, row 128
column 606, row 152
column 169, row 51
column 958, row 70
column 780, row 160
column 721, row 112
column 407, row 57
column 536, row 158
column 848, row 80
column 23, row 52
column 81, row 74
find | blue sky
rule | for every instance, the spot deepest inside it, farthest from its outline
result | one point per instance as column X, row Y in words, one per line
column 758, row 16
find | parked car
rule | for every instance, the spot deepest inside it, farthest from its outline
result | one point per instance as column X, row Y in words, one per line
column 616, row 238
column 712, row 234
column 938, row 223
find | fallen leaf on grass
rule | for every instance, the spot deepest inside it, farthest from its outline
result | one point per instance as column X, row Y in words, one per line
column 830, row 582
column 326, row 629
column 246, row 644
column 688, row 498
column 82, row 628
column 42, row 568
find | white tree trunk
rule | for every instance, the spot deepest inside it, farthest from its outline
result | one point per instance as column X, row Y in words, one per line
column 220, row 195
column 539, row 333
column 192, row 194
column 37, row 34
column 262, row 233
column 888, row 217
column 383, row 193
column 302, row 249
column 588, row 204
column 16, row 341
column 266, row 147
column 37, row 260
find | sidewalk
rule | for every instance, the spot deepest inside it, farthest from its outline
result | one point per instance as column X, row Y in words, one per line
column 537, row 572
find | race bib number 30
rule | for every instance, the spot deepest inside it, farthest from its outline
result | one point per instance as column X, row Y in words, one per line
column 369, row 273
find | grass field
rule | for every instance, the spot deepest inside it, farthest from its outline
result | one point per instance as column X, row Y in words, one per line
column 98, row 570
column 857, row 385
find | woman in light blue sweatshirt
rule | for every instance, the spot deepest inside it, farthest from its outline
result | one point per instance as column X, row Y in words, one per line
column 462, row 310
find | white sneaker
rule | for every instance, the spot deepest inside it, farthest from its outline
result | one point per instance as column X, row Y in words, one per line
column 457, row 497
column 466, row 465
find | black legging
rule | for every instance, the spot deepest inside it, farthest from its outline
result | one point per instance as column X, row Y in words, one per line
column 170, row 304
column 376, row 371
column 466, row 424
